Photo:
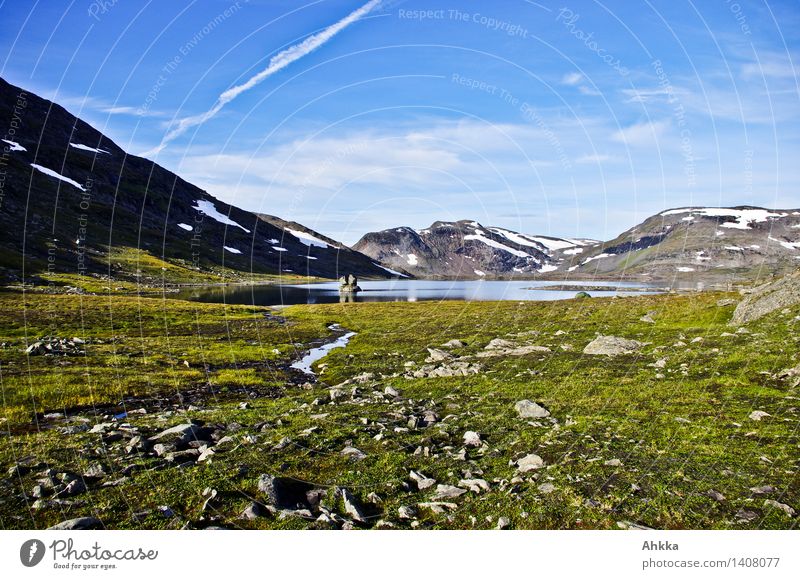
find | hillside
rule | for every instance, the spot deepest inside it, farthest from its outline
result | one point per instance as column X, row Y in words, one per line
column 706, row 244
column 74, row 204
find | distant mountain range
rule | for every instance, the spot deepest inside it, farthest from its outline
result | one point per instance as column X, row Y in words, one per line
column 693, row 243
column 73, row 202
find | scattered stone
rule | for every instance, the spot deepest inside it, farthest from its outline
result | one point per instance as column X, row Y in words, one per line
column 503, row 523
column 254, row 511
column 613, row 462
column 757, row 415
column 284, row 492
column 530, row 462
column 762, row 490
column 389, row 391
column 438, row 507
column 782, row 506
column 529, row 409
column 406, row 513
column 546, row 488
column 423, row 482
column 746, row 516
column 476, row 485
column 353, row 453
column 472, row 439
column 716, row 495
column 74, row 487
column 352, row 506
column 447, row 492
column 453, row 344
column 767, row 298
column 499, row 343
column 437, row 355
column 78, row 524
column 611, row 346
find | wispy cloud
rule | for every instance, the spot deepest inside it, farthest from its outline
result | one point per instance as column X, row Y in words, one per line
column 572, row 79
column 276, row 63
column 641, row 134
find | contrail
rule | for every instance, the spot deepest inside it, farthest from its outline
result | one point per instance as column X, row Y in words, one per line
column 278, row 62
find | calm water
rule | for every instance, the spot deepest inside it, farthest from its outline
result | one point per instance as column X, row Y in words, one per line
column 397, row 291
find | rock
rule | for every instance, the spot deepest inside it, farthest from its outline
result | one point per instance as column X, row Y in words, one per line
column 453, row 344
column 582, row 295
column 348, row 284
column 95, row 471
column 352, row 506
column 530, row 462
column 437, row 355
column 757, row 415
column 438, row 507
column 405, row 512
column 79, row 524
column 781, row 506
column 767, row 298
column 746, row 516
column 516, row 351
column 529, row 409
column 762, row 490
column 476, row 485
column 163, row 449
column 429, row 417
column 499, row 343
column 178, row 435
column 205, row 455
column 503, row 523
column 353, row 453
column 447, row 492
column 611, row 346
column 284, row 492
column 725, row 302
column 546, row 488
column 423, row 482
column 716, row 495
column 254, row 511
column 472, row 439
column 389, row 391
column 613, row 462
column 74, row 487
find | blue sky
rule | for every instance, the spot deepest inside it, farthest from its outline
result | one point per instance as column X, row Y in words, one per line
column 569, row 118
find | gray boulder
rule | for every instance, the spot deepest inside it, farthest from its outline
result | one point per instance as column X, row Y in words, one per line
column 611, row 346
column 79, row 524
column 529, row 409
column 766, row 298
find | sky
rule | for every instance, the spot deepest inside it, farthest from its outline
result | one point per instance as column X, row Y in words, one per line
column 570, row 118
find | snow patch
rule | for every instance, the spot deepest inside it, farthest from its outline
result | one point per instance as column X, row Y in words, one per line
column 412, row 259
column 86, row 148
column 231, row 249
column 548, row 267
column 573, row 251
column 733, row 248
column 59, row 176
column 208, row 208
column 14, row 146
column 786, row 244
column 599, row 256
column 495, row 244
column 185, row 227
column 307, row 238
column 744, row 217
column 685, row 269
column 390, row 270
column 280, row 249
column 479, row 272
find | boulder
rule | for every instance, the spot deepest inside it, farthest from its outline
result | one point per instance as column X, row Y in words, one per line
column 284, row 492
column 78, row 524
column 611, row 346
column 766, row 298
column 529, row 409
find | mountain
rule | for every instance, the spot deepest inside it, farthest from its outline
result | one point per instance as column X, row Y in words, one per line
column 73, row 202
column 464, row 249
column 711, row 244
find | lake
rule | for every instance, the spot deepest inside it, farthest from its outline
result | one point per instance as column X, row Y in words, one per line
column 396, row 290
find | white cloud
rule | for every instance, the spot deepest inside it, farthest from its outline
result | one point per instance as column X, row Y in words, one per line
column 572, row 79
column 641, row 134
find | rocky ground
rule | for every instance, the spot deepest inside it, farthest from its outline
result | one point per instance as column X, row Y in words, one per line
column 645, row 411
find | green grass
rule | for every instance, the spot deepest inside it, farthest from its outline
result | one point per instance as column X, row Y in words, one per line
column 606, row 408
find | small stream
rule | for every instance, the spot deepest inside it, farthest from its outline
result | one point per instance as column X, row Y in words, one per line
column 305, row 363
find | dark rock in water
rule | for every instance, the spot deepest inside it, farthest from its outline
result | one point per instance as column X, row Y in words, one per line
column 79, row 524
column 582, row 295
column 766, row 298
column 348, row 284
column 284, row 492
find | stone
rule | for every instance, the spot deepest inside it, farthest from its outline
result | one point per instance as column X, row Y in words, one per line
column 406, row 512
column 78, row 524
column 472, row 439
column 453, row 344
column 757, row 415
column 746, row 516
column 253, row 511
column 438, row 507
column 762, row 490
column 447, row 492
column 178, row 435
column 530, row 409
column 546, row 488
column 613, row 462
column 716, row 495
column 284, row 492
column 503, row 523
column 781, row 506
column 499, row 343
column 530, row 462
column 767, row 298
column 436, row 355
column 353, row 453
column 74, row 487
column 389, row 391
column 475, row 485
column 423, row 482
column 611, row 346
column 352, row 506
